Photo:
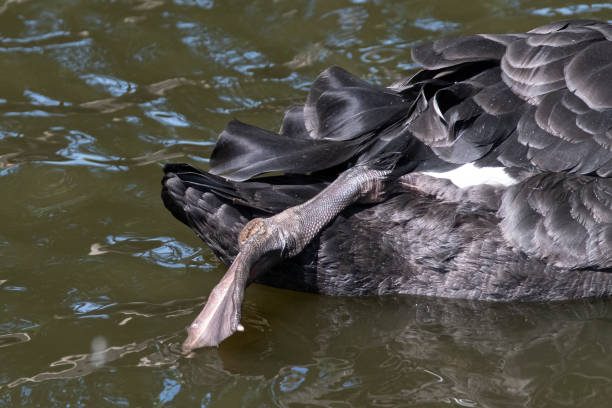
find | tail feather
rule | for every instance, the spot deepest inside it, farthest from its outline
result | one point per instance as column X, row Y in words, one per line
column 217, row 209
column 204, row 203
column 341, row 106
column 342, row 118
column 216, row 222
column 245, row 151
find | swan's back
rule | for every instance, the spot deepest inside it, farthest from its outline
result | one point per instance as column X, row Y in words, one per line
column 545, row 104
column 533, row 102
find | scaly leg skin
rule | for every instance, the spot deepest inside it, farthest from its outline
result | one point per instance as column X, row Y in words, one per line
column 266, row 240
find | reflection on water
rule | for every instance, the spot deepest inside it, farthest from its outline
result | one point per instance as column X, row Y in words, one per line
column 104, row 308
column 425, row 351
column 164, row 251
column 98, row 281
column 571, row 10
column 13, row 338
column 79, row 365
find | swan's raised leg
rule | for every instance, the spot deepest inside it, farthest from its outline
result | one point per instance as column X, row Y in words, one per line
column 267, row 240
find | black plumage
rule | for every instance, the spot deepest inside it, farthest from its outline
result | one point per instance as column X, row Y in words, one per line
column 547, row 238
column 538, row 104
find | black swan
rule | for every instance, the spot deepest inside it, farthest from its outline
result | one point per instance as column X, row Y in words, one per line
column 363, row 206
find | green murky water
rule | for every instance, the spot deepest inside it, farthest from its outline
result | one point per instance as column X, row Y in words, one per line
column 97, row 281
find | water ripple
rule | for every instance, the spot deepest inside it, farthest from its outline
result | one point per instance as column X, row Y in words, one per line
column 114, row 86
column 316, row 384
column 209, row 43
column 571, row 10
column 79, row 365
column 125, row 312
column 39, row 49
column 350, row 21
column 31, row 114
column 83, row 150
column 165, row 251
column 7, row 340
column 42, row 100
column 432, row 24
column 205, row 4
column 17, row 324
column 381, row 55
column 154, row 110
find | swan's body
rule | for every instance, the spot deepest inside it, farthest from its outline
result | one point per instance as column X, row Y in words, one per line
column 432, row 239
column 536, row 106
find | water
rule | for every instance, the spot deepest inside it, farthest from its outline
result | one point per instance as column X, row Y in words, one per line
column 98, row 281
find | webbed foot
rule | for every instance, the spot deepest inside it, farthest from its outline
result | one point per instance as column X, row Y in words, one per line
column 264, row 241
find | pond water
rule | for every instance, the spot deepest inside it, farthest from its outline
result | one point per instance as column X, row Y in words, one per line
column 98, row 281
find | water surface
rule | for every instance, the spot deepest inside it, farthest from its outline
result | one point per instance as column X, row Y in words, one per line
column 98, row 281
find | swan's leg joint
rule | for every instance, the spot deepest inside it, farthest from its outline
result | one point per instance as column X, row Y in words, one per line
column 262, row 240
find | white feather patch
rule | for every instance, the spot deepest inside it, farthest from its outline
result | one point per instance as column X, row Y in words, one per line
column 470, row 175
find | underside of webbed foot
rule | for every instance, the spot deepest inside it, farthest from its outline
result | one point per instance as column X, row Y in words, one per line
column 220, row 317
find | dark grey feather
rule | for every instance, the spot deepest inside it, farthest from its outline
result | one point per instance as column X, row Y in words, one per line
column 563, row 219
column 538, row 103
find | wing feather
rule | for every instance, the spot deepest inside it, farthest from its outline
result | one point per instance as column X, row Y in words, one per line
column 564, row 219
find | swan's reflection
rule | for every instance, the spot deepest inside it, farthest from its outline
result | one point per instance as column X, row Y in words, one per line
column 302, row 349
column 417, row 351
